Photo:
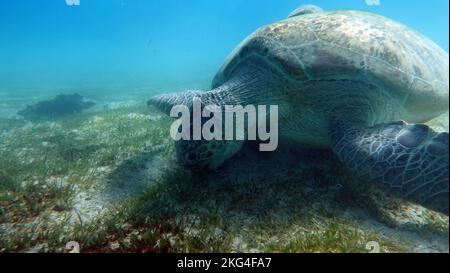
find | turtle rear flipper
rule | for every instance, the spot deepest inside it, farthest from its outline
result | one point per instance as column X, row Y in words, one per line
column 411, row 160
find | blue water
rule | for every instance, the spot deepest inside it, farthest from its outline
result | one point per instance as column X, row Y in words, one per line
column 155, row 45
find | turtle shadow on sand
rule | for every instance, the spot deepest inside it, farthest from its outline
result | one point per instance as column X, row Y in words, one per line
column 304, row 167
column 290, row 186
column 135, row 175
column 60, row 106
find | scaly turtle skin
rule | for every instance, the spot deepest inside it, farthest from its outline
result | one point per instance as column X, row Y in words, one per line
column 346, row 80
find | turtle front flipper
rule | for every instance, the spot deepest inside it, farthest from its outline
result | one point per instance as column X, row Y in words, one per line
column 166, row 102
column 410, row 160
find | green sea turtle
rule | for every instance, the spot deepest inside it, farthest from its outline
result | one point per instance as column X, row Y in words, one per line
column 352, row 81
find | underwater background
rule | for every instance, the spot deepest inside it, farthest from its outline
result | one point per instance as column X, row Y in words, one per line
column 107, row 178
column 105, row 47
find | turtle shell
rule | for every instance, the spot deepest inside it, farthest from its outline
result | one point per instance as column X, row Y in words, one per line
column 350, row 45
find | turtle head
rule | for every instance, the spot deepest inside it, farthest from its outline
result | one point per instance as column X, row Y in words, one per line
column 195, row 154
column 306, row 9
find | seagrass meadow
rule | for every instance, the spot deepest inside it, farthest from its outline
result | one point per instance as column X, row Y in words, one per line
column 109, row 180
